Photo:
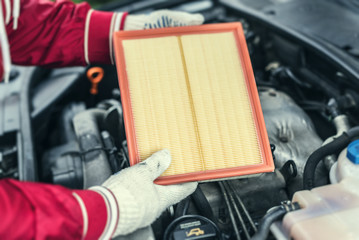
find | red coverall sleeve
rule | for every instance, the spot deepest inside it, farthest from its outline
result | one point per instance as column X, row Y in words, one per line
column 56, row 34
column 42, row 211
column 61, row 33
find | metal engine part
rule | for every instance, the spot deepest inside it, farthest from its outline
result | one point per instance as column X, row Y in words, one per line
column 256, row 193
column 96, row 165
column 291, row 131
column 342, row 125
column 87, row 154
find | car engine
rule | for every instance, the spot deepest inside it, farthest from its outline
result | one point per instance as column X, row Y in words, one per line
column 53, row 130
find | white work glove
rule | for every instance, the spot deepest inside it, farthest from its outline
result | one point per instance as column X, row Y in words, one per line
column 162, row 18
column 141, row 201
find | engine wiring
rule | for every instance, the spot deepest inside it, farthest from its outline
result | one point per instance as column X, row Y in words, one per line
column 119, row 155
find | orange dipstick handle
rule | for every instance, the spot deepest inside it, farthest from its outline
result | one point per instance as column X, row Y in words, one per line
column 95, row 75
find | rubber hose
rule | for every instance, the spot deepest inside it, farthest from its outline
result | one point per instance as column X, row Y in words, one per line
column 353, row 133
column 314, row 159
column 317, row 81
column 331, row 148
column 202, row 204
column 181, row 207
column 267, row 221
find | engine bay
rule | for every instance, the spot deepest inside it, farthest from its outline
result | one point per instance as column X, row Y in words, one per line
column 55, row 131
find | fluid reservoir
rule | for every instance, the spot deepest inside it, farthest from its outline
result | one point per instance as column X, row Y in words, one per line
column 347, row 164
column 331, row 211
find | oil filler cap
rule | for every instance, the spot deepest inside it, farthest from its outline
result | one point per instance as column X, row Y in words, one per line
column 192, row 227
column 353, row 152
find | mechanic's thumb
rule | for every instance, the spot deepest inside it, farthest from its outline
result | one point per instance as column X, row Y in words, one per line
column 172, row 194
column 157, row 163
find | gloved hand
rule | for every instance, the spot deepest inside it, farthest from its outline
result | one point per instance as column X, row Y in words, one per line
column 162, row 18
column 141, row 201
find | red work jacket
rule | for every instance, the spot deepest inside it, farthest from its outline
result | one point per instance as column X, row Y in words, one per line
column 60, row 34
column 55, row 34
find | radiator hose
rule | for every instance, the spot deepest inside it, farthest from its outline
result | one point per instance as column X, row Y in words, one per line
column 272, row 216
column 333, row 147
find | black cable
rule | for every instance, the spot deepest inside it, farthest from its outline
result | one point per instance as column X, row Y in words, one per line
column 186, row 206
column 272, row 216
column 333, row 147
column 353, row 133
column 306, row 104
column 202, row 204
column 122, row 159
column 182, row 207
column 87, row 151
column 289, row 171
column 267, row 221
column 170, row 228
column 236, row 195
column 291, row 75
column 109, row 151
column 315, row 158
column 112, row 153
column 233, row 220
column 319, row 83
column 240, row 218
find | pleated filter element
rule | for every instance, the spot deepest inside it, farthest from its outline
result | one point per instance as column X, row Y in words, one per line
column 192, row 90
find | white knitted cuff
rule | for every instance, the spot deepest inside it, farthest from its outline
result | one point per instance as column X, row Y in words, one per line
column 134, row 22
column 130, row 212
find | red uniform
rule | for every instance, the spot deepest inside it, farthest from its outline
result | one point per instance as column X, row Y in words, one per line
column 55, row 34
column 61, row 33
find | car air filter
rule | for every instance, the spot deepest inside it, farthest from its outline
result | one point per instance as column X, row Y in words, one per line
column 192, row 90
